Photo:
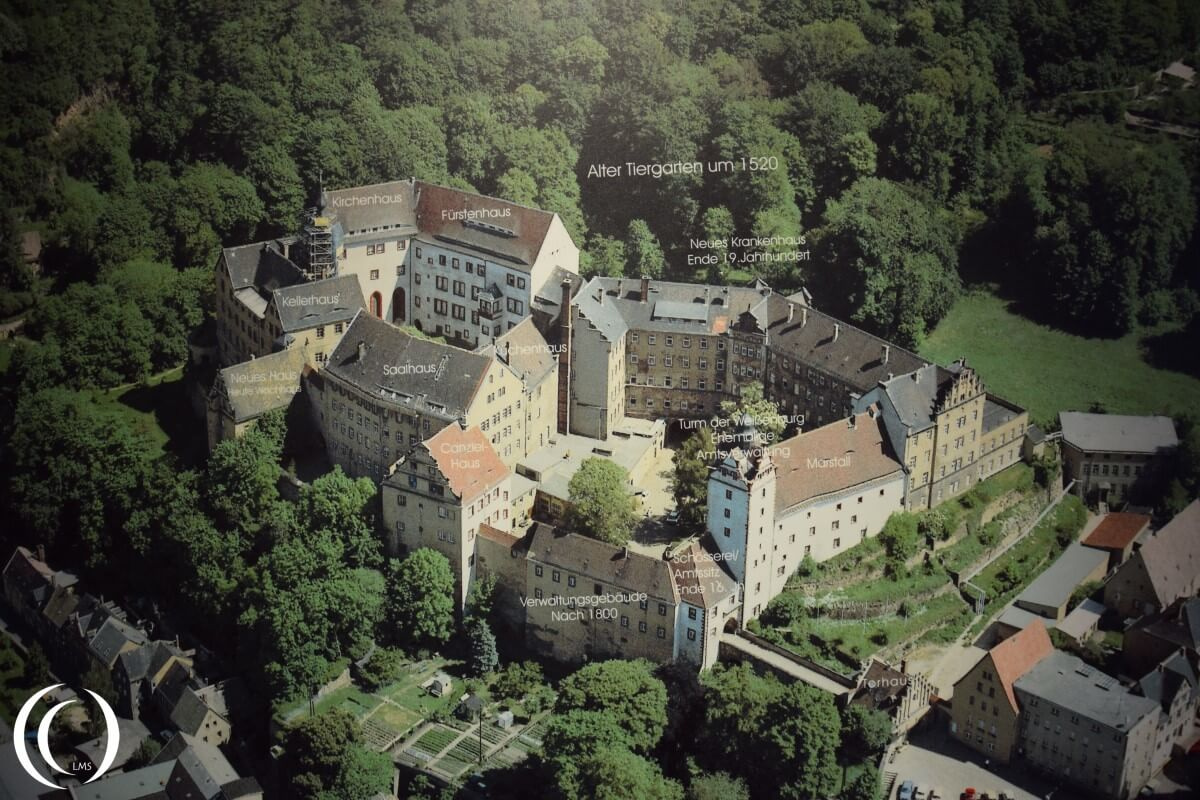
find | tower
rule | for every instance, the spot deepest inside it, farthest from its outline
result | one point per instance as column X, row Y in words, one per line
column 317, row 254
column 741, row 511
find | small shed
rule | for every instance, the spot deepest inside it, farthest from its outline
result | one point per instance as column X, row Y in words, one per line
column 471, row 708
column 504, row 720
column 440, row 684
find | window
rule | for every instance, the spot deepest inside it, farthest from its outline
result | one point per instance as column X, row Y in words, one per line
column 642, row 626
column 515, row 306
column 460, row 288
column 570, row 580
column 510, row 279
column 691, row 613
column 537, row 570
column 691, row 634
column 662, row 633
column 624, row 621
column 662, row 610
column 837, row 542
column 320, row 331
column 454, row 263
column 556, row 576
column 442, row 282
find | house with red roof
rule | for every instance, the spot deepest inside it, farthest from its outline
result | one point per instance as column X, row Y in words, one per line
column 442, row 493
column 984, row 713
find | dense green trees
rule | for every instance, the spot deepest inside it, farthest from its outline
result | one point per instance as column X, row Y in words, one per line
column 898, row 257
column 1109, row 222
column 689, row 482
column 627, row 690
column 601, row 505
column 326, row 758
column 420, row 598
column 754, row 726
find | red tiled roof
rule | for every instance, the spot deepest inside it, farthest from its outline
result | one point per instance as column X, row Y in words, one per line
column 467, row 459
column 855, row 454
column 1117, row 530
column 498, row 536
column 1017, row 654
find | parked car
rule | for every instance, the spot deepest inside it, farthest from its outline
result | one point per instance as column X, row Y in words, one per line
column 673, row 517
column 906, row 791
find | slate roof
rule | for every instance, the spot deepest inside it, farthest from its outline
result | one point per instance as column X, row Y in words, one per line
column 865, row 445
column 997, row 412
column 323, row 302
column 467, row 459
column 1017, row 654
column 1117, row 530
column 915, row 394
column 525, row 351
column 360, row 208
column 1172, row 556
column 855, row 357
column 611, row 566
column 147, row 783
column 254, row 387
column 515, row 235
column 1054, row 586
column 594, row 309
column 671, row 307
column 1117, row 433
column 189, row 712
column 443, row 379
column 260, row 265
column 699, row 580
column 549, row 295
column 113, row 635
column 1068, row 682
column 1163, row 683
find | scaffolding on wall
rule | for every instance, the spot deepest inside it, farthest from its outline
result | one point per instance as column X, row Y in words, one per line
column 318, row 242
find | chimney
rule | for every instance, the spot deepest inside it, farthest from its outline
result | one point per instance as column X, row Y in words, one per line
column 462, row 423
column 600, row 297
column 891, row 375
column 850, row 422
column 791, row 312
column 564, row 359
column 837, row 329
column 41, row 553
column 624, row 551
column 645, row 288
column 887, row 351
column 904, row 666
column 362, row 350
column 803, row 316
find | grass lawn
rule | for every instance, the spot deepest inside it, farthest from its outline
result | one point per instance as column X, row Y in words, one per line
column 1047, row 370
column 159, row 410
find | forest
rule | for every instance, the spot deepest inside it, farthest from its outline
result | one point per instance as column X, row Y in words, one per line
column 919, row 146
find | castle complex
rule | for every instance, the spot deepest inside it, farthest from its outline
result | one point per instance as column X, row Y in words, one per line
column 471, row 434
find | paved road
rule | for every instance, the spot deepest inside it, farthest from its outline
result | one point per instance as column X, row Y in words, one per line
column 785, row 665
column 935, row 761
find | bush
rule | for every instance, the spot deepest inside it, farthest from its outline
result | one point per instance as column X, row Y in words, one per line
column 900, row 537
column 381, row 670
column 517, row 680
column 785, row 609
column 1158, row 306
column 990, row 534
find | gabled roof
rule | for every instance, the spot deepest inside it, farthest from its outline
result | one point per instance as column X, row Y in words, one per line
column 1117, row 433
column 613, row 567
column 358, row 209
column 1117, row 530
column 323, row 302
column 525, row 351
column 495, row 228
column 592, row 307
column 914, row 395
column 112, row 637
column 467, row 459
column 252, row 388
column 402, row 370
column 853, row 355
column 835, row 457
column 261, row 266
column 1166, row 680
column 1172, row 556
column 1017, row 654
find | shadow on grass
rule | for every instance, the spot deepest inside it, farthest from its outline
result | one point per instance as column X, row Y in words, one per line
column 1178, row 351
column 168, row 402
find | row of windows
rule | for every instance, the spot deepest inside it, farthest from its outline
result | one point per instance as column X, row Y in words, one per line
column 685, row 341
column 1102, row 469
column 472, row 267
